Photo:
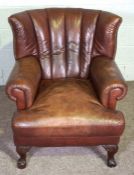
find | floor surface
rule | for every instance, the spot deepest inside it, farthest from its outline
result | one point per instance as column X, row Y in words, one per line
column 69, row 160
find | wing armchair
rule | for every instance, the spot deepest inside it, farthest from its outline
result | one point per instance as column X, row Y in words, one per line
column 65, row 82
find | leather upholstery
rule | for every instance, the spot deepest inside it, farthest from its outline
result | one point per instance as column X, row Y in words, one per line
column 65, row 81
column 64, row 40
column 108, row 81
column 66, row 141
column 23, row 82
column 67, row 108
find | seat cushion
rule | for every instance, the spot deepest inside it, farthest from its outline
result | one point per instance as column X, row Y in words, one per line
column 67, row 107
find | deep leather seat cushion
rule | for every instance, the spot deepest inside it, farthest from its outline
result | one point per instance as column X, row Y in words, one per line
column 67, row 107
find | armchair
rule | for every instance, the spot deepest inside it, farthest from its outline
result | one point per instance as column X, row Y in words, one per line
column 65, row 81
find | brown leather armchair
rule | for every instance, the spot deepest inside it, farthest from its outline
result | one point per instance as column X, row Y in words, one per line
column 65, row 82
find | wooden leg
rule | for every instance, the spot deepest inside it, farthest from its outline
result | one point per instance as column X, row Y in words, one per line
column 22, row 150
column 111, row 151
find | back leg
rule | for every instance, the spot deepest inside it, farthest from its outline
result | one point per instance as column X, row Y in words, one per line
column 111, row 151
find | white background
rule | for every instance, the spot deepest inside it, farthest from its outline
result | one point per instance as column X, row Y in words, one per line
column 124, row 8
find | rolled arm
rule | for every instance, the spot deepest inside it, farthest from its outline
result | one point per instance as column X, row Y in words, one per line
column 23, row 82
column 108, row 81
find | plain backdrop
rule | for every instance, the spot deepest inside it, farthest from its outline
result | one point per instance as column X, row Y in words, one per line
column 124, row 8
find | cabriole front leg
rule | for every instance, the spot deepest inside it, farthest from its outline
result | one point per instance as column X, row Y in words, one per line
column 111, row 151
column 22, row 150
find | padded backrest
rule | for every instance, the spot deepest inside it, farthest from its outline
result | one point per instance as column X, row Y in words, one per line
column 64, row 40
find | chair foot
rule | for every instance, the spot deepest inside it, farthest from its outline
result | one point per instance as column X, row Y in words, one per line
column 21, row 163
column 111, row 163
column 111, row 151
column 22, row 150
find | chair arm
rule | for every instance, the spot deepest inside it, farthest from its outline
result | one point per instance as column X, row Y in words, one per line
column 23, row 82
column 108, row 81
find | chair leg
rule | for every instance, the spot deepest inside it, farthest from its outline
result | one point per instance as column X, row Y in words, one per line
column 111, row 151
column 22, row 150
